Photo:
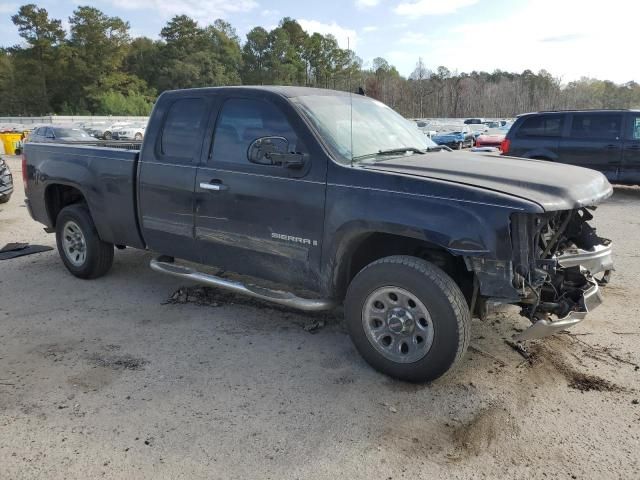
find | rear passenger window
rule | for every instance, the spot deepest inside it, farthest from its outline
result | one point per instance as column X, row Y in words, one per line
column 181, row 134
column 243, row 120
column 634, row 134
column 596, row 126
column 541, row 126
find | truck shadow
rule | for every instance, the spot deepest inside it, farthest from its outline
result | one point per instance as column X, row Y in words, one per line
column 623, row 194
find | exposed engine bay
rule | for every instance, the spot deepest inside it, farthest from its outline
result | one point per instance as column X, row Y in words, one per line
column 557, row 256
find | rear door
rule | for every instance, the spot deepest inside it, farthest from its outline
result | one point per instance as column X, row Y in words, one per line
column 630, row 171
column 594, row 140
column 260, row 220
column 167, row 174
column 537, row 136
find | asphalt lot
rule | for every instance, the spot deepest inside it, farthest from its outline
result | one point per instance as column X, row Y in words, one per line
column 104, row 379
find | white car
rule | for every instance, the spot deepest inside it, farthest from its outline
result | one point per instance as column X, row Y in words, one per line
column 130, row 132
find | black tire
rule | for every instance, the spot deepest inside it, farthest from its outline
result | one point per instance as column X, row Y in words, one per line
column 5, row 198
column 459, row 146
column 99, row 254
column 107, row 135
column 137, row 136
column 442, row 297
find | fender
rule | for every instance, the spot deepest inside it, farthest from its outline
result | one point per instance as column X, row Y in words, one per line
column 462, row 229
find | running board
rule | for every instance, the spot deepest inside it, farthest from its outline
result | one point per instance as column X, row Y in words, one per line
column 280, row 297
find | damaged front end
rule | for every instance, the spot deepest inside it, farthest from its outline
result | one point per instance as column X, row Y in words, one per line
column 558, row 264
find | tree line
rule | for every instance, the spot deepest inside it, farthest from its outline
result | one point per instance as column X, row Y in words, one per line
column 98, row 68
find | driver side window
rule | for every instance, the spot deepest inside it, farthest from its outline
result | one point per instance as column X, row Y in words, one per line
column 243, row 120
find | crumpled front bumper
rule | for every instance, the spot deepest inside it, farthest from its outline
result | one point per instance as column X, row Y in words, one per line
column 591, row 298
column 597, row 260
column 591, row 262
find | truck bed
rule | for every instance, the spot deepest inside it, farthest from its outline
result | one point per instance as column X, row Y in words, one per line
column 105, row 176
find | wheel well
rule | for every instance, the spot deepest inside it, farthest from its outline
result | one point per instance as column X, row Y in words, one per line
column 541, row 157
column 375, row 246
column 59, row 196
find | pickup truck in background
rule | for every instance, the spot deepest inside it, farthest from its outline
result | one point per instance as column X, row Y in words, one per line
column 273, row 183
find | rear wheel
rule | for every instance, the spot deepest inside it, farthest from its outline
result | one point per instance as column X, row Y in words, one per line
column 459, row 146
column 407, row 318
column 82, row 251
column 137, row 136
column 107, row 135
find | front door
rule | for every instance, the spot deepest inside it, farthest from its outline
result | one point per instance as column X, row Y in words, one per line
column 594, row 141
column 260, row 220
column 630, row 171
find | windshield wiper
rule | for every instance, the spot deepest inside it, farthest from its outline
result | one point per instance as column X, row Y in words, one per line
column 391, row 151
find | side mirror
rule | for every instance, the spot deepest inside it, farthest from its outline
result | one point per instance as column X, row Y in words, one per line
column 262, row 148
column 274, row 151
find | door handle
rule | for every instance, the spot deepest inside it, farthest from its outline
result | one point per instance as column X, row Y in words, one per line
column 635, row 147
column 214, row 186
column 611, row 146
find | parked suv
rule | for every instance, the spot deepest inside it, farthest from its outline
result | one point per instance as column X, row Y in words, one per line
column 604, row 140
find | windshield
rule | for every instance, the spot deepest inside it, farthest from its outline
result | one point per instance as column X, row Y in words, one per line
column 376, row 127
column 453, row 129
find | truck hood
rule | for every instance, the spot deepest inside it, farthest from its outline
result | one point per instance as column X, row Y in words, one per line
column 553, row 186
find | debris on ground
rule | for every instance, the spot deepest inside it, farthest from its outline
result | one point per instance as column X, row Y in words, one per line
column 214, row 297
column 541, row 353
column 473, row 348
column 598, row 352
column 314, row 326
column 519, row 347
column 199, row 295
column 14, row 250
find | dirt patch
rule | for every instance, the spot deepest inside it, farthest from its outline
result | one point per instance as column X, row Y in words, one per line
column 550, row 353
column 118, row 362
column 483, row 429
column 92, row 380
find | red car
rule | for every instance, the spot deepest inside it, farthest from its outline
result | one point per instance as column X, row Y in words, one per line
column 490, row 139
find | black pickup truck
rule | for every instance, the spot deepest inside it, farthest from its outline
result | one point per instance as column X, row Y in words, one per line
column 339, row 200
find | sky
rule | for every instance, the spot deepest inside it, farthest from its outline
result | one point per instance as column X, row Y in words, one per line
column 568, row 38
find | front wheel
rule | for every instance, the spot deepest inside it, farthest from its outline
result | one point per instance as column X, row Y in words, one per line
column 407, row 318
column 82, row 251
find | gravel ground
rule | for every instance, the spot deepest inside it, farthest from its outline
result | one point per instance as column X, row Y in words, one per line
column 104, row 378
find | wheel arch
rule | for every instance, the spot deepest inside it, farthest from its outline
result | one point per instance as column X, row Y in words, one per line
column 364, row 248
column 60, row 195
